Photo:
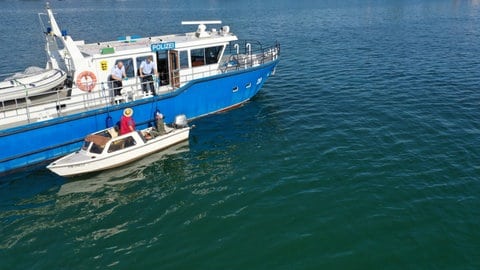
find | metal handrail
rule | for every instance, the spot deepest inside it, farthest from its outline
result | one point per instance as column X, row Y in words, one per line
column 32, row 107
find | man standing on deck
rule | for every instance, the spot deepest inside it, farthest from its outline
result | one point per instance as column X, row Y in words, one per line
column 147, row 70
column 118, row 73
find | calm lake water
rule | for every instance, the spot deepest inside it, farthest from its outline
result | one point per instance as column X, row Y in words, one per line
column 362, row 152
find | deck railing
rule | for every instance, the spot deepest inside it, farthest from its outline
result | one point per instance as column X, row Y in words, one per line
column 245, row 54
column 59, row 102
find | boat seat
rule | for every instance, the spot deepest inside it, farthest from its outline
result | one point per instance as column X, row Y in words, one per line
column 140, row 134
column 119, row 99
column 168, row 129
column 112, row 132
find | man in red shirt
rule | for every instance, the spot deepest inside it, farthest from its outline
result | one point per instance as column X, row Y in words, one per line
column 127, row 124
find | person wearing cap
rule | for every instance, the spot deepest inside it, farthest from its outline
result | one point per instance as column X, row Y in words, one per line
column 147, row 70
column 159, row 127
column 159, row 123
column 127, row 124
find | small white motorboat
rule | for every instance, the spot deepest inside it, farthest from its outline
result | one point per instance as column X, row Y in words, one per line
column 105, row 149
column 134, row 171
column 31, row 82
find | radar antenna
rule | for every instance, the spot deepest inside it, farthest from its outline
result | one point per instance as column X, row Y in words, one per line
column 201, row 27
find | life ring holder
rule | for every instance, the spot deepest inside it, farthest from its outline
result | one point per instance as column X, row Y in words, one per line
column 86, row 81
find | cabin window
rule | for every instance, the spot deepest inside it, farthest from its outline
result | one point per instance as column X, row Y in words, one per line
column 212, row 54
column 96, row 149
column 205, row 56
column 139, row 63
column 128, row 64
column 121, row 144
column 183, row 55
column 198, row 57
column 85, row 145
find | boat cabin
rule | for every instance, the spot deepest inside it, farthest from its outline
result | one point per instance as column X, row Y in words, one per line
column 108, row 139
column 177, row 58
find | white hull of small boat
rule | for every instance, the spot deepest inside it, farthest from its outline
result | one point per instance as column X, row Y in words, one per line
column 101, row 152
column 31, row 83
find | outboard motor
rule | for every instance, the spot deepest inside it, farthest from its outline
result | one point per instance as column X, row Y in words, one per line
column 180, row 121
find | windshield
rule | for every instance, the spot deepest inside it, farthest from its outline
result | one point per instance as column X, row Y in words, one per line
column 85, row 145
column 96, row 149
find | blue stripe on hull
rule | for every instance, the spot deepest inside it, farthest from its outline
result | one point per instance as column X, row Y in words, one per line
column 39, row 142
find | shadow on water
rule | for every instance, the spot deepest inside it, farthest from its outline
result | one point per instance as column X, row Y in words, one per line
column 20, row 189
column 26, row 184
column 37, row 199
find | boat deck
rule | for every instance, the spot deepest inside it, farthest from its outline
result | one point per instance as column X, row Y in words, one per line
column 50, row 98
column 61, row 102
column 50, row 101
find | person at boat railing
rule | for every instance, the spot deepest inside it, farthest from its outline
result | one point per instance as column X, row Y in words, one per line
column 159, row 123
column 116, row 76
column 127, row 124
column 147, row 70
column 159, row 128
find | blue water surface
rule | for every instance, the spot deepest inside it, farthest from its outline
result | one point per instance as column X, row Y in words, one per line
column 360, row 153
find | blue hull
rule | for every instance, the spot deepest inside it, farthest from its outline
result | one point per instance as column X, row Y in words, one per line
column 39, row 142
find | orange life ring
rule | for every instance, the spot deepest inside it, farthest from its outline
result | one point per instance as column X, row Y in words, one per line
column 86, row 81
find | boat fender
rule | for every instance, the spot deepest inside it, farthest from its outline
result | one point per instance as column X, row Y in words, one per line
column 109, row 122
column 86, row 81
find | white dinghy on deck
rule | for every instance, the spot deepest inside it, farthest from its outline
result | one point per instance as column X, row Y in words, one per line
column 31, row 82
